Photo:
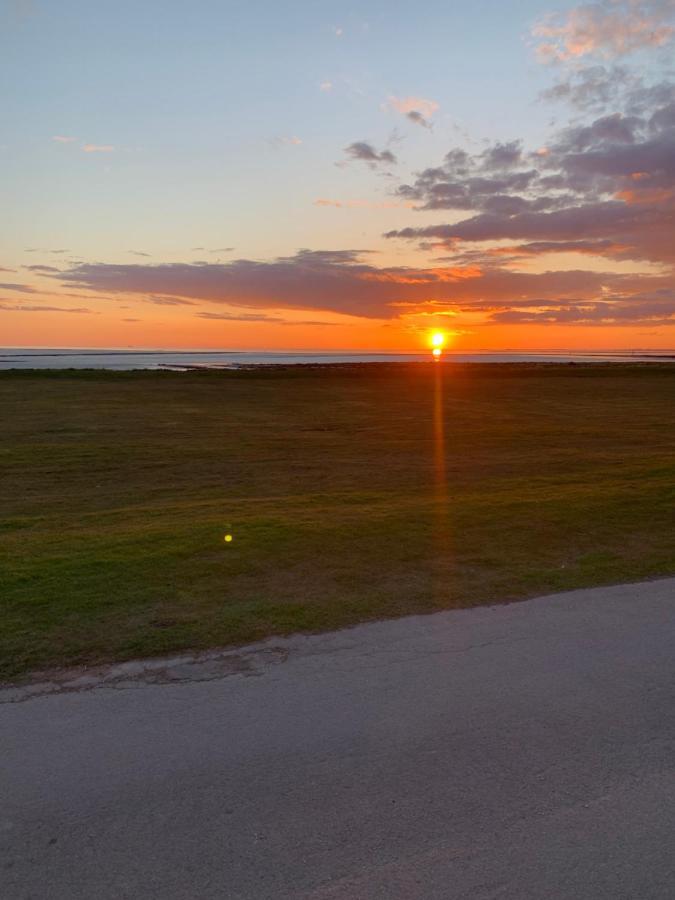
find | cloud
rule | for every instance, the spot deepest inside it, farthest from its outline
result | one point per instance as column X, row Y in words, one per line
column 364, row 152
column 344, row 281
column 21, row 288
column 606, row 28
column 44, row 269
column 611, row 179
column 417, row 109
column 286, row 141
column 326, row 86
column 98, row 148
column 137, row 253
column 418, row 119
column 362, row 204
column 63, row 139
column 239, row 317
column 260, row 317
column 42, row 309
column 169, row 301
column 656, row 309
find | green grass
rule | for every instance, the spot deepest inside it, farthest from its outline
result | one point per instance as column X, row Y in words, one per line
column 117, row 488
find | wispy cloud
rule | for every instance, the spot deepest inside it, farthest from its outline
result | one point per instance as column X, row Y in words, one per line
column 98, row 148
column 43, row 309
column 326, row 86
column 63, row 139
column 260, row 317
column 239, row 317
column 363, row 204
column 291, row 140
column 169, row 301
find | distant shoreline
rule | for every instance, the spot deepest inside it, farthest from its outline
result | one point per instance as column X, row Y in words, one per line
column 228, row 360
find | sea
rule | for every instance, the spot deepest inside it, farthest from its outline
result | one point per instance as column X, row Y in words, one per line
column 182, row 360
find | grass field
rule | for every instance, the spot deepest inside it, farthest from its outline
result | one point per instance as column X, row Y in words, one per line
column 350, row 492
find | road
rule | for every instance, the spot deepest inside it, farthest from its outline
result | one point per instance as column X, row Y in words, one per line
column 521, row 751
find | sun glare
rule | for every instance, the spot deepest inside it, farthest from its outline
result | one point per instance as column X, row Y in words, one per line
column 437, row 341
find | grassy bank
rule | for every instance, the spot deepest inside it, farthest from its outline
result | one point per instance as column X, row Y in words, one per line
column 351, row 492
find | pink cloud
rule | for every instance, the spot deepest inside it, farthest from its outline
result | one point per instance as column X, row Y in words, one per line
column 607, row 28
column 406, row 105
column 98, row 148
column 416, row 109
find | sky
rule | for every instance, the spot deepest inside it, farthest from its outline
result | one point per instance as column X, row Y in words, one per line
column 314, row 175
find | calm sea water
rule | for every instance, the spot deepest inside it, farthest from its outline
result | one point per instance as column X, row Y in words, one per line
column 14, row 358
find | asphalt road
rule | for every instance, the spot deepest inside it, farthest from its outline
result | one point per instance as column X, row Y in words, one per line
column 523, row 751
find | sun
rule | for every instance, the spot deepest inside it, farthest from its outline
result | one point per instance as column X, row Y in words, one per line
column 437, row 339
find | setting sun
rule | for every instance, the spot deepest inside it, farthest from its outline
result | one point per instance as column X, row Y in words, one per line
column 437, row 339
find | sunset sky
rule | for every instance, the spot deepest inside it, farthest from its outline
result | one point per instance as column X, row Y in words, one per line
column 322, row 175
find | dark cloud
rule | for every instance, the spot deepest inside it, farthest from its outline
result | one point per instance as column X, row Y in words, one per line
column 21, row 288
column 365, row 152
column 343, row 281
column 41, row 268
column 603, row 187
column 609, row 180
column 138, row 253
column 502, row 156
column 656, row 309
column 419, row 119
column 592, row 89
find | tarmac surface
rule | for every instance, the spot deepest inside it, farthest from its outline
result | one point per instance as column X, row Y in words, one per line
column 523, row 751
